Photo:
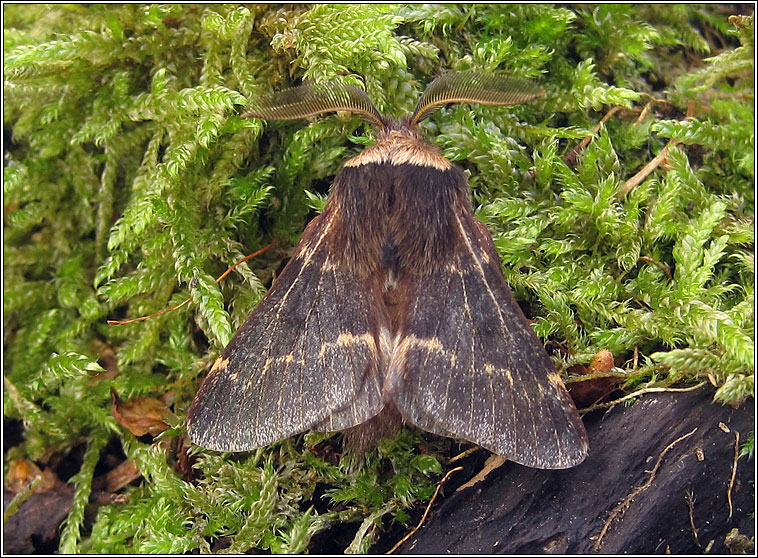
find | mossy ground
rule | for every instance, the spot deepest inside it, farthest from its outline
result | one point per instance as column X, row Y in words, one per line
column 131, row 182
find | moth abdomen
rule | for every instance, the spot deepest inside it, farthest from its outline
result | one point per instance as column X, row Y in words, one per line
column 358, row 439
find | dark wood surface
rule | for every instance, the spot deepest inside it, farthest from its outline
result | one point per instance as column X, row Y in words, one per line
column 517, row 510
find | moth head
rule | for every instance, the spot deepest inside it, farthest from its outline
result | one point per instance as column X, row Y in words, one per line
column 311, row 100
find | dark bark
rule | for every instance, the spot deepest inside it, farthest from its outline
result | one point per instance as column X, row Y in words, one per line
column 33, row 529
column 518, row 510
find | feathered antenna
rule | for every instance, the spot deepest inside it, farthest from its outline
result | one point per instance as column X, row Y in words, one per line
column 474, row 87
column 312, row 100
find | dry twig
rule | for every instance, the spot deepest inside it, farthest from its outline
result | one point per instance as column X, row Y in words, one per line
column 734, row 471
column 657, row 160
column 636, row 394
column 663, row 267
column 463, row 454
column 626, row 502
column 690, row 497
column 227, row 272
column 493, row 462
column 426, row 513
column 637, row 179
column 571, row 156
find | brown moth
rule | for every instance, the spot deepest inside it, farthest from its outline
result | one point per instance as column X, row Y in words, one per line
column 392, row 308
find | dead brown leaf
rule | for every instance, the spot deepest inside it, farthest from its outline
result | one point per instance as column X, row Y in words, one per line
column 22, row 471
column 598, row 381
column 141, row 415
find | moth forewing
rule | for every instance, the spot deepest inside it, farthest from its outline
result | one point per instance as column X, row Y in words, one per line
column 473, row 368
column 393, row 308
column 304, row 357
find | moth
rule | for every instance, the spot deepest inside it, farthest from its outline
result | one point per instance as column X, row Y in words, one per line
column 393, row 307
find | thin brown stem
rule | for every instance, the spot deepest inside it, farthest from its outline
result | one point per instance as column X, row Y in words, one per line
column 426, row 513
column 218, row 280
column 618, row 510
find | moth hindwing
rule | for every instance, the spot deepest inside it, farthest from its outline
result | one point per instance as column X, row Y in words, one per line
column 393, row 308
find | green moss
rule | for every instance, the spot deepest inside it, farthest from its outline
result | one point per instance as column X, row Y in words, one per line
column 131, row 182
